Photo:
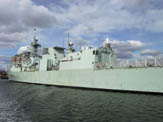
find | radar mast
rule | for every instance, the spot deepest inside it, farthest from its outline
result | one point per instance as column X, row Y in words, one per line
column 35, row 45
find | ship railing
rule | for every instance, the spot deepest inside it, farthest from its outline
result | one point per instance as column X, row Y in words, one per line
column 154, row 62
column 138, row 63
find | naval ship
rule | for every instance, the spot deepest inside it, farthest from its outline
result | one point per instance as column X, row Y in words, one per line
column 90, row 67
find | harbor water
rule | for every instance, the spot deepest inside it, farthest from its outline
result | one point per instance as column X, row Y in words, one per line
column 22, row 102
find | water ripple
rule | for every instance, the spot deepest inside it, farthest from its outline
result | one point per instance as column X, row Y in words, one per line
column 20, row 102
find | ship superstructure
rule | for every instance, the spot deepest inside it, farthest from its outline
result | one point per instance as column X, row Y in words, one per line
column 89, row 68
column 57, row 58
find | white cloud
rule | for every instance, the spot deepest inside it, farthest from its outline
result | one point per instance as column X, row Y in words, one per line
column 102, row 16
column 150, row 52
column 7, row 40
column 79, row 30
column 129, row 45
column 36, row 16
column 19, row 17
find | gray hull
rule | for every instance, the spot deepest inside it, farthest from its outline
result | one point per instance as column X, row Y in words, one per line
column 129, row 79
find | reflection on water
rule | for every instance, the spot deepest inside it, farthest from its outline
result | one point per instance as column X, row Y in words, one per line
column 20, row 102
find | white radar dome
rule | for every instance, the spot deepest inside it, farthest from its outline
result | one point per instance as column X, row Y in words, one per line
column 107, row 41
column 24, row 49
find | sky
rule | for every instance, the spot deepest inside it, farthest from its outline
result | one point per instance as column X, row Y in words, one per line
column 134, row 27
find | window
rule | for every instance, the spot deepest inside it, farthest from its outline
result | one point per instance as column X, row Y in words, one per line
column 94, row 52
column 97, row 52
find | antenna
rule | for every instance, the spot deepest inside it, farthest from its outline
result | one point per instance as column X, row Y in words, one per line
column 68, row 37
column 63, row 43
column 34, row 33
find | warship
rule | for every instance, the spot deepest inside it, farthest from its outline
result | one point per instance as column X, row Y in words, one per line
column 90, row 67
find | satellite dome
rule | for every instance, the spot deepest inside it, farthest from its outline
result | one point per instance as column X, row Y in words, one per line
column 107, row 41
column 24, row 49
